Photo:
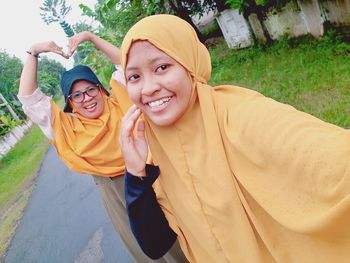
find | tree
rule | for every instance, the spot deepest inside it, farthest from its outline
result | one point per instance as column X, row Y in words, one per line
column 51, row 66
column 115, row 18
column 56, row 11
column 48, row 84
column 49, row 74
column 10, row 71
column 82, row 26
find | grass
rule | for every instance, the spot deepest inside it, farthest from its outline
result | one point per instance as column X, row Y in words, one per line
column 11, row 221
column 17, row 170
column 312, row 75
column 20, row 165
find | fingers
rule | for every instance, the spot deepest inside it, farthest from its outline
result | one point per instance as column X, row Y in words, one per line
column 76, row 40
column 140, row 129
column 129, row 112
column 60, row 52
column 128, row 124
column 72, row 46
column 57, row 49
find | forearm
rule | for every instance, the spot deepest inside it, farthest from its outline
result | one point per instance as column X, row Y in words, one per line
column 111, row 51
column 147, row 220
column 28, row 82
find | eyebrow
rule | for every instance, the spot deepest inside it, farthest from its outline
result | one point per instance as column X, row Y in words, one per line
column 151, row 61
column 83, row 89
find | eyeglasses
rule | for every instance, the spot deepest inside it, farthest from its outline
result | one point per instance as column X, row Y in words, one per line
column 79, row 96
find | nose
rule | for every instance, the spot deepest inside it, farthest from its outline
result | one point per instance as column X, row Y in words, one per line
column 150, row 86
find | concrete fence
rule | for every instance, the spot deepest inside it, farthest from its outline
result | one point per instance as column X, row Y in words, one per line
column 8, row 141
column 296, row 18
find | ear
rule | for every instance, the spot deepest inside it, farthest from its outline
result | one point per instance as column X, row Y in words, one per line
column 104, row 90
column 71, row 104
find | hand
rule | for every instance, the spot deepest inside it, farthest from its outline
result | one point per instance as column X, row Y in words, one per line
column 48, row 46
column 134, row 147
column 76, row 40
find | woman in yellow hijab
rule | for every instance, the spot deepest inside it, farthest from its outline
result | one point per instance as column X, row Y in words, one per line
column 243, row 178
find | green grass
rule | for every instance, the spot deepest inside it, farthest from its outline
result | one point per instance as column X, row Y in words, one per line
column 11, row 221
column 20, row 165
column 311, row 75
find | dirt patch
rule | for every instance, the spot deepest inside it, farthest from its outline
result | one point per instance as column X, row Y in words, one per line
column 319, row 100
column 214, row 41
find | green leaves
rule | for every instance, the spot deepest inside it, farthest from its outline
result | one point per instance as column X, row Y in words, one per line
column 10, row 71
column 49, row 73
column 56, row 11
column 7, row 123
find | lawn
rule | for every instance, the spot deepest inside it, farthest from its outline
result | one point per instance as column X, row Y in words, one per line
column 20, row 165
column 17, row 169
column 312, row 75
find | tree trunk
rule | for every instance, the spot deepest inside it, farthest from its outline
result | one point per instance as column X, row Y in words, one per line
column 5, row 103
column 253, row 8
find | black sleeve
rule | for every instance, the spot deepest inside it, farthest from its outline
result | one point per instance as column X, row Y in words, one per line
column 147, row 220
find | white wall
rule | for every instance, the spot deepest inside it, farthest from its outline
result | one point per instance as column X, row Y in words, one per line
column 8, row 141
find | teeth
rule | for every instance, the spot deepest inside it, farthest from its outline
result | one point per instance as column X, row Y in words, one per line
column 91, row 106
column 158, row 103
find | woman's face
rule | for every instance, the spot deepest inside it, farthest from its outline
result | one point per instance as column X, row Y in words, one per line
column 158, row 85
column 91, row 106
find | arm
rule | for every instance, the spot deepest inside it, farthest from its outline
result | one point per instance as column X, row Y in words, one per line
column 147, row 220
column 111, row 51
column 35, row 104
column 28, row 83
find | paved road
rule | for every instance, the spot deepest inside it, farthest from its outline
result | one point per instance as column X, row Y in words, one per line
column 65, row 221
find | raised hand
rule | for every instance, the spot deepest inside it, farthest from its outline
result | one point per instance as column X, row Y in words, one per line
column 48, row 46
column 134, row 146
column 76, row 40
column 112, row 52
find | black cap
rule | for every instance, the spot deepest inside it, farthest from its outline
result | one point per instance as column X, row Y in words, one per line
column 68, row 78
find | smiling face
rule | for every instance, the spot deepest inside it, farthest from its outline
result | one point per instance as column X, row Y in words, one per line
column 157, row 84
column 90, row 107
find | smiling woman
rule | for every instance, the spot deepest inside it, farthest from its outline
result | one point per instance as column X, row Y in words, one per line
column 86, row 97
column 157, row 84
column 242, row 178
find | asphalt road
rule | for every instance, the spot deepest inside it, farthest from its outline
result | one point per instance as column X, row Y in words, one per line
column 65, row 221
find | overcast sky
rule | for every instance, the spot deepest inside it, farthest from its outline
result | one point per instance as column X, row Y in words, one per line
column 21, row 26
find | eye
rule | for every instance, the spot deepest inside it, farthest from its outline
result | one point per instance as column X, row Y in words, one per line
column 133, row 77
column 162, row 67
column 91, row 89
column 76, row 95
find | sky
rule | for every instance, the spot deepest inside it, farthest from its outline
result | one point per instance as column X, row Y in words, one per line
column 21, row 26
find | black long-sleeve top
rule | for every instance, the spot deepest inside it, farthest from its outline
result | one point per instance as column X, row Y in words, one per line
column 147, row 220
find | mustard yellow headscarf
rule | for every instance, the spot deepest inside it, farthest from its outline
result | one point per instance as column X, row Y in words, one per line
column 91, row 146
column 243, row 177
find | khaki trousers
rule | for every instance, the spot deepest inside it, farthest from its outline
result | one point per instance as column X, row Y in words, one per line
column 112, row 193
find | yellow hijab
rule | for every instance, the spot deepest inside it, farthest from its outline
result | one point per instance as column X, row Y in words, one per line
column 243, row 177
column 91, row 146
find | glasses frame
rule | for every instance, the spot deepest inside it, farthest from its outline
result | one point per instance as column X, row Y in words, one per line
column 85, row 92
